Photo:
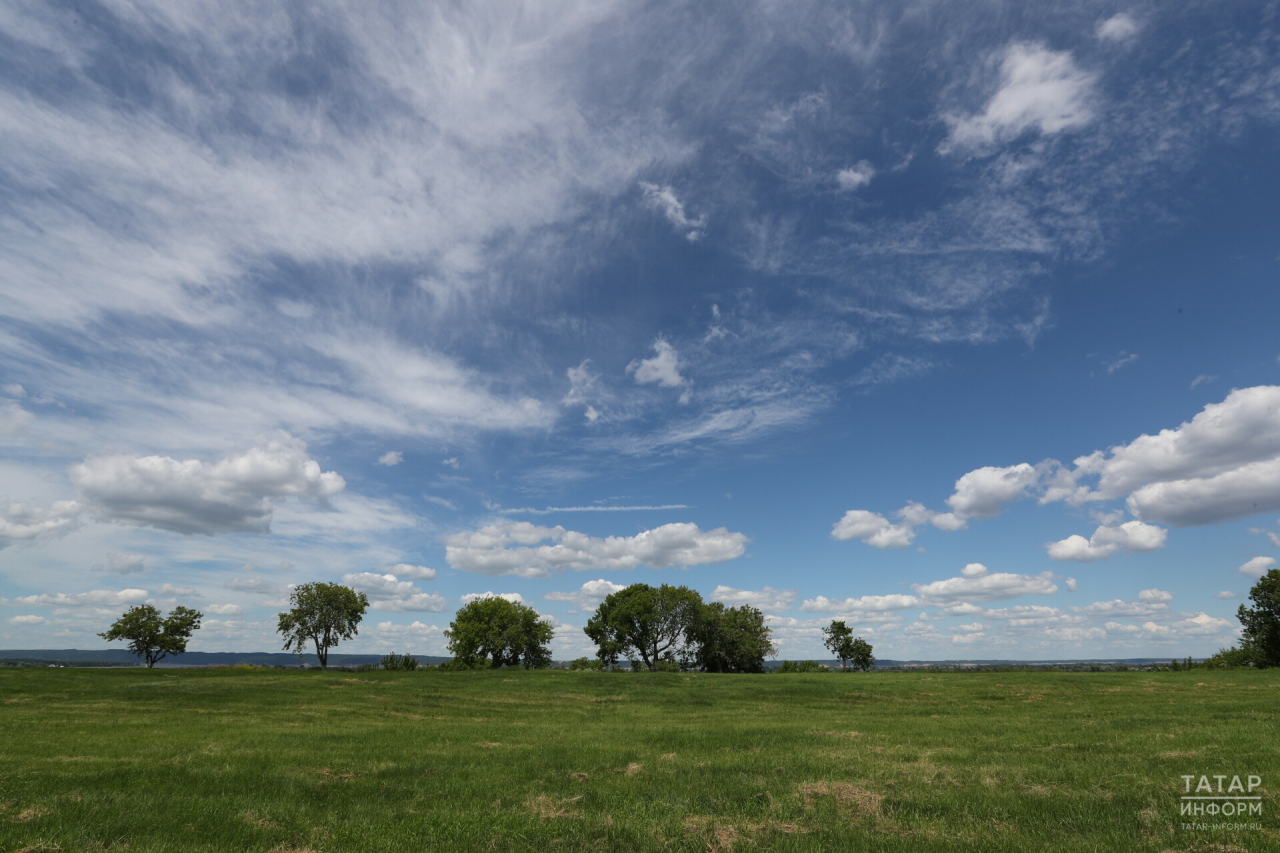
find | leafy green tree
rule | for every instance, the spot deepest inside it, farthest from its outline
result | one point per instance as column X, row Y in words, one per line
column 321, row 614
column 151, row 637
column 398, row 663
column 850, row 650
column 861, row 659
column 733, row 639
column 802, row 666
column 501, row 633
column 653, row 624
column 1261, row 637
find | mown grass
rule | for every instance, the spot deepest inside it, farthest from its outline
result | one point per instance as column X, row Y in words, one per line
column 274, row 760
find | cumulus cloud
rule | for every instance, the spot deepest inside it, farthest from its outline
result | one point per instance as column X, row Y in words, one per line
column 407, row 570
column 1117, row 607
column 983, row 492
column 664, row 200
column 20, row 521
column 387, row 592
column 223, row 609
column 1039, row 88
column 986, row 586
column 1106, row 540
column 527, row 550
column 123, row 564
column 390, row 458
column 235, row 494
column 1226, row 594
column 27, row 620
column 1155, row 596
column 663, row 368
column 878, row 531
column 14, row 419
column 258, row 586
column 1121, row 27
column 589, row 595
column 1257, row 567
column 767, row 599
column 866, row 603
column 856, row 176
column 92, row 598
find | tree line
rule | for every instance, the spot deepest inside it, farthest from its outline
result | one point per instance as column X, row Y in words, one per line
column 650, row 628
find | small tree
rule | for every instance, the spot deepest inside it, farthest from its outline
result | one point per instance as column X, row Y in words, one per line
column 838, row 637
column 398, row 663
column 733, row 639
column 151, row 637
column 500, row 633
column 1260, row 639
column 323, row 614
column 650, row 623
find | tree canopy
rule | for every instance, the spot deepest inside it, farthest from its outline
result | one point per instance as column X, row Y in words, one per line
column 653, row 624
column 850, row 650
column 733, row 639
column 322, row 614
column 498, row 633
column 152, row 637
column 1260, row 640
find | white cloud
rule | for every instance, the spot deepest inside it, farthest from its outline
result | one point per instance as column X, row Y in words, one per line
column 877, row 530
column 13, row 389
column 389, row 593
column 1119, row 27
column 1131, row 536
column 1257, row 567
column 14, row 420
column 390, row 458
column 1224, row 463
column 767, row 599
column 866, row 603
column 1071, row 584
column 258, row 586
column 176, row 590
column 986, row 587
column 1039, row 88
column 223, row 609
column 856, row 176
column 589, row 595
column 664, row 199
column 123, row 564
column 513, row 597
column 1201, row 379
column 191, row 496
column 407, row 570
column 1154, row 596
column 1117, row 607
column 1122, row 360
column 983, row 492
column 92, row 598
column 519, row 548
column 1225, row 594
column 663, row 368
column 20, row 521
column 974, row 570
column 27, row 620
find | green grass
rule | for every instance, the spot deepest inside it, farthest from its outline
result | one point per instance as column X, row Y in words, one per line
column 274, row 760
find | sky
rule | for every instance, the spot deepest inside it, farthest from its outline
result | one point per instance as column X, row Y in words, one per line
column 953, row 321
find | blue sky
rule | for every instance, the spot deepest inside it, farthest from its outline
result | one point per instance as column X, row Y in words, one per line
column 953, row 321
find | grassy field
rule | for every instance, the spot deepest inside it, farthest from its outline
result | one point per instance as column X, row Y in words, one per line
column 275, row 760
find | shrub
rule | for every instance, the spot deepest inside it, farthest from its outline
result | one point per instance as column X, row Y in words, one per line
column 1229, row 659
column 802, row 666
column 586, row 665
column 399, row 663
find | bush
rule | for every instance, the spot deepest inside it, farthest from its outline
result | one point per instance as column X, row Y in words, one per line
column 399, row 663
column 1229, row 659
column 461, row 665
column 802, row 666
column 586, row 665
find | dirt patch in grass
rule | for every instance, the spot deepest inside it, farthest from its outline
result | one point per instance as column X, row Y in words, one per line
column 253, row 820
column 579, row 777
column 488, row 744
column 551, row 808
column 860, row 800
column 670, row 756
column 633, row 768
column 332, row 775
column 30, row 813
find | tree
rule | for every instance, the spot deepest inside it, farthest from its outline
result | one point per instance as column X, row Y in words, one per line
column 151, row 637
column 733, row 639
column 500, row 633
column 838, row 637
column 322, row 613
column 652, row 623
column 1260, row 639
